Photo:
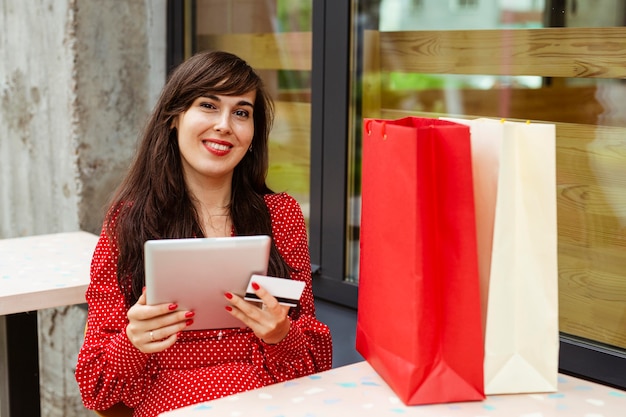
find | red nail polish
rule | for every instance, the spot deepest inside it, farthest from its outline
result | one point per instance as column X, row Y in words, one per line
column 189, row 322
column 228, row 295
column 173, row 306
column 229, row 308
column 190, row 314
column 255, row 286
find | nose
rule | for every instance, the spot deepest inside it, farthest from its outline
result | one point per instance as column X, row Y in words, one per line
column 222, row 123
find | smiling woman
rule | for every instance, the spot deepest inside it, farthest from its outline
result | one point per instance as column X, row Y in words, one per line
column 199, row 171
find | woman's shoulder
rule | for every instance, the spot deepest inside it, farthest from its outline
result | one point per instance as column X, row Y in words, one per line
column 282, row 205
column 288, row 223
column 280, row 200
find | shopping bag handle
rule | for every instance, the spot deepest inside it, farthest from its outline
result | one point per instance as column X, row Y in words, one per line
column 368, row 125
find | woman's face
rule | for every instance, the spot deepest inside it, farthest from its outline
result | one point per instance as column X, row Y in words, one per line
column 214, row 134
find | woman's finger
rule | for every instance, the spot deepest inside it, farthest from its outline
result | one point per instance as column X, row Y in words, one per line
column 270, row 323
column 154, row 345
column 156, row 337
column 153, row 328
column 142, row 297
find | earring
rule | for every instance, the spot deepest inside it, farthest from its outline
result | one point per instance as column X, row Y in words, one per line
column 250, row 149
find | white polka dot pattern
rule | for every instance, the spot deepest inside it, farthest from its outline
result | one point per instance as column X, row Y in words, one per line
column 202, row 365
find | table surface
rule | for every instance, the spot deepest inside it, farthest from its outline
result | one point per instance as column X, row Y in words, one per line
column 44, row 271
column 357, row 390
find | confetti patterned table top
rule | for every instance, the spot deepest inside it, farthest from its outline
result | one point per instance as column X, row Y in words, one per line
column 44, row 271
column 357, row 390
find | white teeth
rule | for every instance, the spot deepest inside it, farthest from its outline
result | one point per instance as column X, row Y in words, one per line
column 218, row 146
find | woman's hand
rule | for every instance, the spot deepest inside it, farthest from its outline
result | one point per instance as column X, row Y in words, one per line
column 154, row 328
column 269, row 323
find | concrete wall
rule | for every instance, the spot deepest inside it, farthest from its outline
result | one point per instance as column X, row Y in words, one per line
column 39, row 188
column 77, row 81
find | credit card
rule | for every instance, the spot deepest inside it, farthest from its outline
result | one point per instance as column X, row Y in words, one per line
column 286, row 291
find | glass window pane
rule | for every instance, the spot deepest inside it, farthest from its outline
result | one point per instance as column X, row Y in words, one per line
column 481, row 75
column 274, row 37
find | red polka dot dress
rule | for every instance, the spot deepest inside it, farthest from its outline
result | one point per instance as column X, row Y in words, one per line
column 202, row 364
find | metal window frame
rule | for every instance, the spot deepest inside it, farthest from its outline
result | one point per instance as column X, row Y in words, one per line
column 180, row 30
column 329, row 150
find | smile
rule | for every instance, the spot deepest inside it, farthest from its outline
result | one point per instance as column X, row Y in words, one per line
column 217, row 146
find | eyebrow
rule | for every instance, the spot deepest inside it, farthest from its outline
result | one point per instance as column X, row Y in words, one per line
column 240, row 103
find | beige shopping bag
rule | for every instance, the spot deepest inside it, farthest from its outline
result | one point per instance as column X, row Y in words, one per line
column 515, row 193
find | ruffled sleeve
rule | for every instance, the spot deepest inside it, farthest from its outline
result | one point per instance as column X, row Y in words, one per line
column 109, row 369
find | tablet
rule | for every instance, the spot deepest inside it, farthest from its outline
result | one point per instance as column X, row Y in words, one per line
column 195, row 274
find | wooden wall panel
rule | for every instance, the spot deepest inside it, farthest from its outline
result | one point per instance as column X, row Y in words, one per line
column 287, row 51
column 550, row 52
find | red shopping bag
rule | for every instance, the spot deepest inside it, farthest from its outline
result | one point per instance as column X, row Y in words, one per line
column 419, row 318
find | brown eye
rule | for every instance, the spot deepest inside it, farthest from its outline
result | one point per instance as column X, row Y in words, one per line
column 242, row 113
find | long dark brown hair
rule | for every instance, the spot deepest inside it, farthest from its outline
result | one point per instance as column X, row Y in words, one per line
column 153, row 201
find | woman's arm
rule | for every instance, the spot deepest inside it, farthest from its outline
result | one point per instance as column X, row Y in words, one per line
column 307, row 348
column 109, row 368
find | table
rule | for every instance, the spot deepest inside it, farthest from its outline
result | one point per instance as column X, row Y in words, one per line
column 357, row 390
column 36, row 272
